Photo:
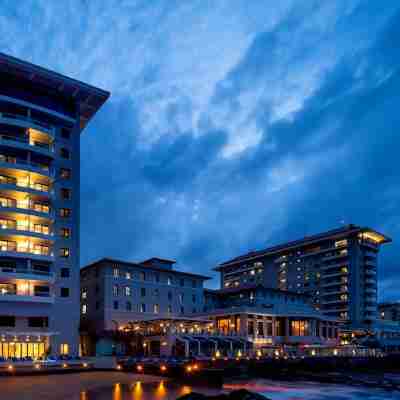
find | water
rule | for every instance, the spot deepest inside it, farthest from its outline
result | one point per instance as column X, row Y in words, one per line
column 271, row 389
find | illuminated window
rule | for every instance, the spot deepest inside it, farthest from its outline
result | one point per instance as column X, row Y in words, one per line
column 142, row 276
column 128, row 275
column 64, row 349
column 156, row 308
column 143, row 308
column 65, row 232
column 115, row 290
column 127, row 291
column 341, row 243
column 84, row 308
column 169, row 280
column 64, row 252
column 65, row 212
column 115, row 272
column 84, row 293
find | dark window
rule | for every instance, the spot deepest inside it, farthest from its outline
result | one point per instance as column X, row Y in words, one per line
column 97, row 305
column 65, row 212
column 194, row 283
column 128, row 306
column 7, row 321
column 115, row 305
column 64, row 153
column 193, row 298
column 65, row 232
column 64, row 272
column 38, row 322
column 169, row 296
column 181, row 282
column 64, row 292
column 64, row 252
column 97, row 289
column 65, row 193
column 143, row 292
column 41, row 269
column 182, row 309
column 157, row 277
column 65, row 133
column 65, row 173
column 41, row 291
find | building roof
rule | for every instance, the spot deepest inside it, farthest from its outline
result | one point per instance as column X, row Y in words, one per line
column 140, row 265
column 255, row 286
column 88, row 98
column 162, row 260
column 307, row 240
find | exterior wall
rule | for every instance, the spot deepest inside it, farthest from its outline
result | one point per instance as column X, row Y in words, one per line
column 156, row 293
column 64, row 330
column 338, row 271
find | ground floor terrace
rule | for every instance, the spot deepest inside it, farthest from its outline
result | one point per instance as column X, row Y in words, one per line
column 220, row 334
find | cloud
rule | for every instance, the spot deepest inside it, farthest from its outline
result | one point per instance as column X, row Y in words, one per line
column 231, row 126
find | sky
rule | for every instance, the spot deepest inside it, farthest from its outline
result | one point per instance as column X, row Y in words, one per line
column 232, row 125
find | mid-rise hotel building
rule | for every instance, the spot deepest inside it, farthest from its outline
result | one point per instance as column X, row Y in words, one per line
column 338, row 269
column 42, row 114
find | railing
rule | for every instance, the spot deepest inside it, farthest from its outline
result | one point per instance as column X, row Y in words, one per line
column 13, row 160
column 12, row 247
column 26, row 141
column 16, row 270
column 15, row 204
column 7, row 180
column 44, row 230
column 28, row 119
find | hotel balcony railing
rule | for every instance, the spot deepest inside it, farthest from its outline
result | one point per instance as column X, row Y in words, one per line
column 333, row 292
column 341, row 301
column 49, row 147
column 20, row 161
column 342, row 254
column 21, row 205
column 27, row 274
column 370, row 282
column 335, row 310
column 370, row 272
column 48, row 127
column 37, row 228
column 333, row 283
column 370, row 290
column 13, row 247
column 333, row 274
column 370, row 299
column 369, row 243
column 37, row 297
column 40, row 187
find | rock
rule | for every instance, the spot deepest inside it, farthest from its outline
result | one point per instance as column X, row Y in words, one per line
column 241, row 394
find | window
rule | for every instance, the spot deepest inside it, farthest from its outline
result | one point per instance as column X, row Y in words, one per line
column 142, row 276
column 169, row 280
column 169, row 310
column 193, row 298
column 181, row 298
column 64, row 252
column 7, row 321
column 156, row 293
column 143, row 307
column 182, row 282
column 65, row 133
column 128, row 306
column 156, row 308
column 127, row 291
column 64, row 153
column 299, row 328
column 65, row 212
column 128, row 275
column 115, row 290
column 84, row 309
column 182, row 310
column 64, row 292
column 38, row 322
column 194, row 283
column 143, row 292
column 65, row 193
column 97, row 305
column 43, row 291
column 64, row 349
column 84, row 294
column 115, row 272
column 194, row 310
column 157, row 277
column 169, row 296
column 65, row 173
column 115, row 305
column 65, row 233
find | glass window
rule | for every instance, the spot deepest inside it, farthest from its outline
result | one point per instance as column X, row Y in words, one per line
column 64, row 153
column 65, row 173
column 169, row 280
column 115, row 290
column 128, row 275
column 156, row 293
column 115, row 272
column 143, row 292
column 64, row 252
column 65, row 212
column 38, row 322
column 193, row 298
column 65, row 193
column 182, row 282
column 116, row 305
column 156, row 308
column 169, row 310
column 84, row 293
column 142, row 276
column 143, row 307
column 181, row 298
column 128, row 306
column 169, row 296
column 65, row 133
column 64, row 349
column 84, row 308
column 65, row 232
column 194, row 283
column 127, row 291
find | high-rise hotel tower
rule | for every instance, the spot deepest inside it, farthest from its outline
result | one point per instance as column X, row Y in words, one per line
column 42, row 114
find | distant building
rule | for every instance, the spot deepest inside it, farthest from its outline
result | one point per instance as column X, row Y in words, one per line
column 389, row 311
column 42, row 115
column 338, row 269
column 115, row 294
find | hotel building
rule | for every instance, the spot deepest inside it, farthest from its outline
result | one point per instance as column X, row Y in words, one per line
column 42, row 114
column 337, row 269
column 116, row 294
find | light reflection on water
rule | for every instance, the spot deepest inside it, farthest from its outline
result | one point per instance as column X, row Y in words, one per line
column 271, row 389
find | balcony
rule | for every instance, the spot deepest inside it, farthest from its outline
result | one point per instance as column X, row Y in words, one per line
column 334, row 283
column 335, row 310
column 26, row 206
column 14, row 273
column 25, row 185
column 333, row 274
column 340, row 254
column 23, row 227
column 25, row 249
column 335, row 301
column 21, row 164
column 26, row 298
column 370, row 281
column 25, row 291
column 370, row 272
column 370, row 290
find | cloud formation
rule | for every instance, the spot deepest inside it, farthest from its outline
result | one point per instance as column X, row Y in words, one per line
column 231, row 126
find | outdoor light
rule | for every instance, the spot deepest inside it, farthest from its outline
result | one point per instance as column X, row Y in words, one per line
column 163, row 368
column 335, row 352
column 217, row 354
column 119, row 367
column 37, row 366
column 188, row 368
column 139, row 368
column 64, row 365
column 195, row 367
column 85, row 365
column 259, row 354
column 10, row 367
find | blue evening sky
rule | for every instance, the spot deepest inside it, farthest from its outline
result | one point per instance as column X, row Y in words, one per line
column 233, row 125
